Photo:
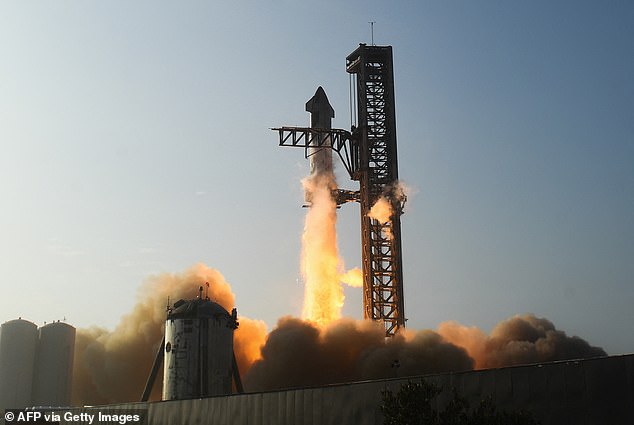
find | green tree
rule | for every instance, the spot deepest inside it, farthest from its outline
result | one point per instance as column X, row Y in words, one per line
column 413, row 405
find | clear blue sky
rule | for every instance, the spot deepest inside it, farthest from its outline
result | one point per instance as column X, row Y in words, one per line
column 135, row 140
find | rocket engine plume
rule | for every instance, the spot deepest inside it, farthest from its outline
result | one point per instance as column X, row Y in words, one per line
column 323, row 294
column 320, row 262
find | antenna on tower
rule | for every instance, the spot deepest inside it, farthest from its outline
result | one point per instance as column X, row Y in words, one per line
column 372, row 32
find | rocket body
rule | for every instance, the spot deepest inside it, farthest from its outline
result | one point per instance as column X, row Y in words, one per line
column 321, row 115
column 321, row 163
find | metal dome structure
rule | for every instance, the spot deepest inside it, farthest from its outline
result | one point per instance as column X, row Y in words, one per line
column 198, row 349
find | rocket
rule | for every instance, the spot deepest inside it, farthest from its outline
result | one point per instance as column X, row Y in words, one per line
column 321, row 115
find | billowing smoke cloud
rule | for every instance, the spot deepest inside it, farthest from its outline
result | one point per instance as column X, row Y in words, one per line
column 299, row 353
column 114, row 366
column 519, row 340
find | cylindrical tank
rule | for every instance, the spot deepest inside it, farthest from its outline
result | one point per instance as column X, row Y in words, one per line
column 54, row 365
column 18, row 342
column 198, row 350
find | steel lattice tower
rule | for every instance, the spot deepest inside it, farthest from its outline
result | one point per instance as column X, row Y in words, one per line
column 368, row 153
column 378, row 176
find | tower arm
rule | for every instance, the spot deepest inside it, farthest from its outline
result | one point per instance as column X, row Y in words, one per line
column 339, row 140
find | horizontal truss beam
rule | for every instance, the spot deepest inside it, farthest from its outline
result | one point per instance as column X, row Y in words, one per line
column 339, row 140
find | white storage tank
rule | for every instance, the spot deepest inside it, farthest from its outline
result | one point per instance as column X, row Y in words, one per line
column 198, row 350
column 54, row 365
column 18, row 342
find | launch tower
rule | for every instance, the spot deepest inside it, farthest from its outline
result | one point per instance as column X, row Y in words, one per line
column 368, row 152
column 378, row 177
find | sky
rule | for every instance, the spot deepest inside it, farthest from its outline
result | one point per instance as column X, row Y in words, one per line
column 135, row 140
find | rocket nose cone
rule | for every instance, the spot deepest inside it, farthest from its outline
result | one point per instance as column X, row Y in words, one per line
column 319, row 104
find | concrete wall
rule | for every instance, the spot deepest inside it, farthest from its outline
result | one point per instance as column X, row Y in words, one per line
column 584, row 392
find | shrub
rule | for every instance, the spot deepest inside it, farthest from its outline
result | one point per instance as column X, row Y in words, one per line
column 413, row 405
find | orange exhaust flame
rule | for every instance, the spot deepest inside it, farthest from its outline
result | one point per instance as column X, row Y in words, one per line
column 352, row 278
column 323, row 294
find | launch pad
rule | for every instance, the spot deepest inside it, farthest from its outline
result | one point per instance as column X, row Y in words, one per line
column 368, row 153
